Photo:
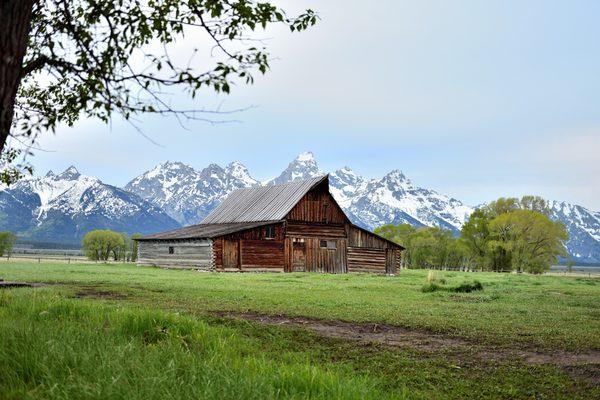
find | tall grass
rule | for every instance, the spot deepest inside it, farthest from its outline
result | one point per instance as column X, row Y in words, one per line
column 55, row 348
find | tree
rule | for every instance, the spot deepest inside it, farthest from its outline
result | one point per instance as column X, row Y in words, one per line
column 7, row 240
column 532, row 241
column 61, row 59
column 135, row 246
column 99, row 245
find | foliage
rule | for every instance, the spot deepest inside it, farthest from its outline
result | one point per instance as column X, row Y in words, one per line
column 427, row 247
column 468, row 287
column 134, row 247
column 464, row 287
column 99, row 245
column 97, row 58
column 512, row 234
column 507, row 234
column 531, row 239
column 7, row 240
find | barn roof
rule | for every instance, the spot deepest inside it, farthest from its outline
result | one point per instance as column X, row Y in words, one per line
column 202, row 231
column 264, row 203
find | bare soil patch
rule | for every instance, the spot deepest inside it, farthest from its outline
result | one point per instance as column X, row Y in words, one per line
column 95, row 293
column 583, row 365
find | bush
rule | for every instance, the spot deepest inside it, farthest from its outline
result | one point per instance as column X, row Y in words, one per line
column 465, row 287
column 431, row 287
column 468, row 287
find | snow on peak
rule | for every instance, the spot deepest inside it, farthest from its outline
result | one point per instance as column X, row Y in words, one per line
column 240, row 172
column 70, row 173
column 397, row 177
column 302, row 167
column 306, row 156
column 49, row 174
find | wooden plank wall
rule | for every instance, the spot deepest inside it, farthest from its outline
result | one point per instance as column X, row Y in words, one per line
column 250, row 250
column 190, row 254
column 302, row 229
column 318, row 206
column 369, row 253
column 364, row 259
column 326, row 260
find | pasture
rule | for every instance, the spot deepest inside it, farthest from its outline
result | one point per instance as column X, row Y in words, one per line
column 120, row 331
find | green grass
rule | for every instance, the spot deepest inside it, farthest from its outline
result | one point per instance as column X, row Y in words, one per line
column 157, row 339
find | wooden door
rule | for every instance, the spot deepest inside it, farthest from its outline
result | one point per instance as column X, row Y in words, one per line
column 231, row 255
column 298, row 256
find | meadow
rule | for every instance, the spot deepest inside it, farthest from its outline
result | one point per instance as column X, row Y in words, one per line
column 96, row 331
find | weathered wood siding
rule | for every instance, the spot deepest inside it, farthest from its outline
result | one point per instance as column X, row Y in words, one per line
column 369, row 253
column 318, row 206
column 303, row 229
column 250, row 250
column 191, row 254
column 324, row 260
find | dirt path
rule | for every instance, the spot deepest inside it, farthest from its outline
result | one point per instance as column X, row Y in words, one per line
column 389, row 335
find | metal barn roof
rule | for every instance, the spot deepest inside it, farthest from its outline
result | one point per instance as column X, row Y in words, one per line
column 204, row 231
column 265, row 203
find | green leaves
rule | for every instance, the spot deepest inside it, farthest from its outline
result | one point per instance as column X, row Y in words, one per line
column 94, row 58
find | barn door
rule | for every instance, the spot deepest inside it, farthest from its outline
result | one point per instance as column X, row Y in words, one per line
column 298, row 255
column 231, row 256
column 390, row 261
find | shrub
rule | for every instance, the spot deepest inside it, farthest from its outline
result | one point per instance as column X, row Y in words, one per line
column 431, row 287
column 468, row 287
column 465, row 287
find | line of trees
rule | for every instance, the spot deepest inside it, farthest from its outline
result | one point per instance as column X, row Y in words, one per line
column 104, row 245
column 508, row 234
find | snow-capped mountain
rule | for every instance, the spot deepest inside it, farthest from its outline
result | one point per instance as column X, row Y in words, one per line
column 583, row 227
column 303, row 167
column 188, row 195
column 63, row 207
column 394, row 199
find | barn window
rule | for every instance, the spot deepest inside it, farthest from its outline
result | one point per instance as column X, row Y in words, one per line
column 171, row 250
column 328, row 244
column 326, row 213
column 270, row 232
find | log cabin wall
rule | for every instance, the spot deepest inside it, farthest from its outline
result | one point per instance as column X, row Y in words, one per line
column 370, row 253
column 251, row 250
column 186, row 254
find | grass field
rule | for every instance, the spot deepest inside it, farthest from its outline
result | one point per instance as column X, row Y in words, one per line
column 119, row 331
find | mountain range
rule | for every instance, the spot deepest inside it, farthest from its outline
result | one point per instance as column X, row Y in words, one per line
column 61, row 208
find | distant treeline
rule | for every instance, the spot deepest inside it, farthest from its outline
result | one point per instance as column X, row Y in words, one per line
column 508, row 234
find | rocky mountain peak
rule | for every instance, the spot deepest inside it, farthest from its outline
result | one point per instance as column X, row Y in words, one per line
column 69, row 174
column 397, row 178
column 304, row 166
column 240, row 172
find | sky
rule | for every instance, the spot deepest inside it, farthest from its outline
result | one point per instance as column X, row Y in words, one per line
column 475, row 99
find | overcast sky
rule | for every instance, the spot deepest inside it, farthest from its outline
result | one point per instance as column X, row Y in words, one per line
column 475, row 99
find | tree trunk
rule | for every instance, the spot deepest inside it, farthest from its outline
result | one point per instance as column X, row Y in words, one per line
column 15, row 24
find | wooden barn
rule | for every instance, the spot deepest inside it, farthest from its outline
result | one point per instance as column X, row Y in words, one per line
column 293, row 227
